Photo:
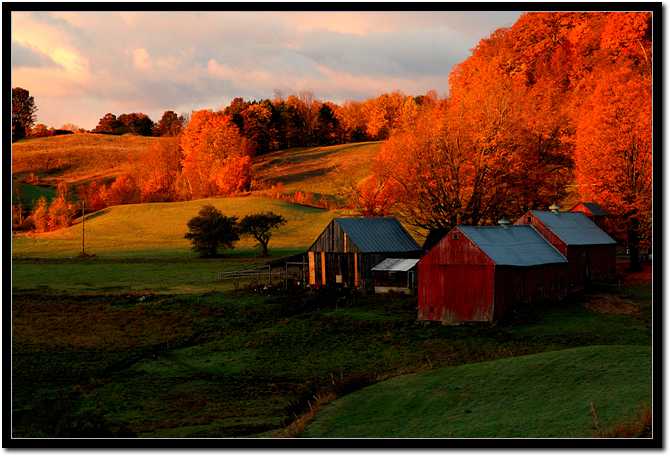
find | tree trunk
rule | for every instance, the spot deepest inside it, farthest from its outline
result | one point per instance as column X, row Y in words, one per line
column 264, row 247
column 634, row 244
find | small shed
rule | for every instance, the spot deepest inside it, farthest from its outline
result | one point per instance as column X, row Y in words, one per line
column 395, row 275
column 349, row 247
column 591, row 252
column 479, row 273
column 592, row 211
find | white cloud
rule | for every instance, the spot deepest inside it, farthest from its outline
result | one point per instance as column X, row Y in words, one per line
column 150, row 61
column 141, row 59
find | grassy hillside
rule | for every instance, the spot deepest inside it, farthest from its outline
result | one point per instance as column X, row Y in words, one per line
column 157, row 229
column 235, row 364
column 77, row 158
column 82, row 157
column 543, row 395
column 326, row 171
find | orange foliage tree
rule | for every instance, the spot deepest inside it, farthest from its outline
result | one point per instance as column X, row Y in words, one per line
column 614, row 155
column 215, row 157
column 375, row 195
column 40, row 215
column 158, row 170
column 61, row 209
column 124, row 190
column 521, row 111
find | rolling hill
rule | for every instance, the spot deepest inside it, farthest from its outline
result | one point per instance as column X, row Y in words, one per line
column 157, row 229
column 77, row 158
column 550, row 394
column 327, row 171
column 83, row 157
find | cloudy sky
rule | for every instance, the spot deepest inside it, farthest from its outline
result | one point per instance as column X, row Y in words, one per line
column 79, row 66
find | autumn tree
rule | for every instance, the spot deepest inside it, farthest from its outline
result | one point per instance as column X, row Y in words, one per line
column 261, row 226
column 40, row 131
column 109, row 124
column 215, row 160
column 158, row 169
column 95, row 195
column 40, row 215
column 614, row 153
column 61, row 210
column 170, row 124
column 375, row 195
column 210, row 229
column 23, row 113
column 256, row 127
column 136, row 123
column 124, row 190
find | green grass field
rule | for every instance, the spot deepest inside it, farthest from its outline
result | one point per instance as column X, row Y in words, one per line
column 157, row 230
column 238, row 363
column 542, row 395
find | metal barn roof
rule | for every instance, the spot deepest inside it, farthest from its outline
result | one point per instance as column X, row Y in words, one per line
column 396, row 264
column 574, row 228
column 515, row 245
column 594, row 208
column 377, row 234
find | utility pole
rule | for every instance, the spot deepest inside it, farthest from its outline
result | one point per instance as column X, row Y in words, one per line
column 83, row 222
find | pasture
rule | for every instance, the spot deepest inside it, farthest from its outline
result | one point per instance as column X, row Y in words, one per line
column 566, row 393
column 157, row 229
column 78, row 158
column 244, row 364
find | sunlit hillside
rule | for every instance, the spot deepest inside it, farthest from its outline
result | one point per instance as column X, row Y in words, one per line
column 77, row 158
column 157, row 229
column 328, row 170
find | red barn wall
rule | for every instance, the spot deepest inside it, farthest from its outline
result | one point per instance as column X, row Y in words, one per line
column 585, row 262
column 528, row 285
column 456, row 281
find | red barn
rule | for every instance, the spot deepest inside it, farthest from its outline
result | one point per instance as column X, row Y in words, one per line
column 591, row 252
column 478, row 273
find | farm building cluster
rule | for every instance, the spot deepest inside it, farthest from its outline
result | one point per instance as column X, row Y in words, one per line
column 473, row 273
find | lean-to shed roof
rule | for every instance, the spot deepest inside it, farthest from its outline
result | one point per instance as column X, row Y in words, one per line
column 396, row 264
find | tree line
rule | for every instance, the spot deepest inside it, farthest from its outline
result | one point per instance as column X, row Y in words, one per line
column 558, row 101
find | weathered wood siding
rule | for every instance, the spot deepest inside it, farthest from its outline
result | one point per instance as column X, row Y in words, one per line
column 455, row 281
column 336, row 255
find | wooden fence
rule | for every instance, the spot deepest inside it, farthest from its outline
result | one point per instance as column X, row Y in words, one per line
column 291, row 272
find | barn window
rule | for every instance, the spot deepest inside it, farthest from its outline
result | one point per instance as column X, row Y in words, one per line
column 454, row 236
column 529, row 219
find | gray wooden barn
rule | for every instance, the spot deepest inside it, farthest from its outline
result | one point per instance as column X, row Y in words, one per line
column 349, row 247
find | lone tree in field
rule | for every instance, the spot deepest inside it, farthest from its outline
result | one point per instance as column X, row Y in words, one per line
column 211, row 229
column 23, row 113
column 260, row 226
